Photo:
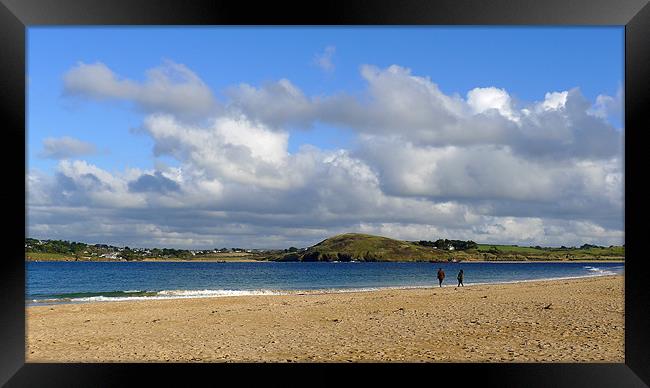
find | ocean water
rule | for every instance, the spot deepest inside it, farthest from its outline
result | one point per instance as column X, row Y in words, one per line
column 78, row 282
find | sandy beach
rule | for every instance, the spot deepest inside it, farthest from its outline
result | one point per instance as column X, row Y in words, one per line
column 577, row 320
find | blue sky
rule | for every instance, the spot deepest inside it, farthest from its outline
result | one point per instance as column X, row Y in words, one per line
column 526, row 62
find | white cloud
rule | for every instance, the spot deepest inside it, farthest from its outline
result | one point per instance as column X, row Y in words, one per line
column 324, row 59
column 172, row 88
column 426, row 165
column 81, row 183
column 555, row 100
column 399, row 104
column 276, row 104
column 65, row 147
column 485, row 99
column 608, row 106
column 229, row 148
column 402, row 100
column 489, row 173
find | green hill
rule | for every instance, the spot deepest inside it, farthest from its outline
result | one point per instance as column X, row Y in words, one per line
column 364, row 247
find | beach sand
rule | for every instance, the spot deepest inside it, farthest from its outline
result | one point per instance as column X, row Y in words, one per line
column 584, row 322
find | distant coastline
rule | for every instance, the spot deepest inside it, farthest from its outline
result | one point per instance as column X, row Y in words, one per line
column 245, row 260
column 341, row 248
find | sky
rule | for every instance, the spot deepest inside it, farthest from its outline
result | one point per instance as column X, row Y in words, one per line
column 209, row 137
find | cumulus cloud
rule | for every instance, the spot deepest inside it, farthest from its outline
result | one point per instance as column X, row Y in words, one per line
column 65, row 147
column 171, row 87
column 554, row 100
column 156, row 182
column 426, row 165
column 81, row 183
column 484, row 99
column 396, row 100
column 609, row 106
column 230, row 148
column 275, row 103
column 400, row 104
column 489, row 173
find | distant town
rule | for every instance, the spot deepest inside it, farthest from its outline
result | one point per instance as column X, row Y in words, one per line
column 58, row 249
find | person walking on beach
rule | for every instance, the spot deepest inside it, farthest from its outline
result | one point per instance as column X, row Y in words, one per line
column 441, row 276
column 461, row 275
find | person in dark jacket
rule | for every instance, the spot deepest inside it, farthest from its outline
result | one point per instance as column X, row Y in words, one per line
column 460, row 277
column 441, row 276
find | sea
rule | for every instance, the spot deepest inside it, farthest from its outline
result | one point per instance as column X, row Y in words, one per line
column 80, row 282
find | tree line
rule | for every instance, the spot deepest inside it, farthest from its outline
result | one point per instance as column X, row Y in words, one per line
column 459, row 245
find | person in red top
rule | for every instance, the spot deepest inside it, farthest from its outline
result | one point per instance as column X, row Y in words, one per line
column 441, row 276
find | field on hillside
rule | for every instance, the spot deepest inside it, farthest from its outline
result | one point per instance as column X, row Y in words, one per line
column 48, row 256
column 615, row 251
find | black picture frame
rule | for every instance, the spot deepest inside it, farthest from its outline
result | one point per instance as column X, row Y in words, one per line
column 17, row 15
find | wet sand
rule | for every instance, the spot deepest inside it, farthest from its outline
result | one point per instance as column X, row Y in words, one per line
column 577, row 320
